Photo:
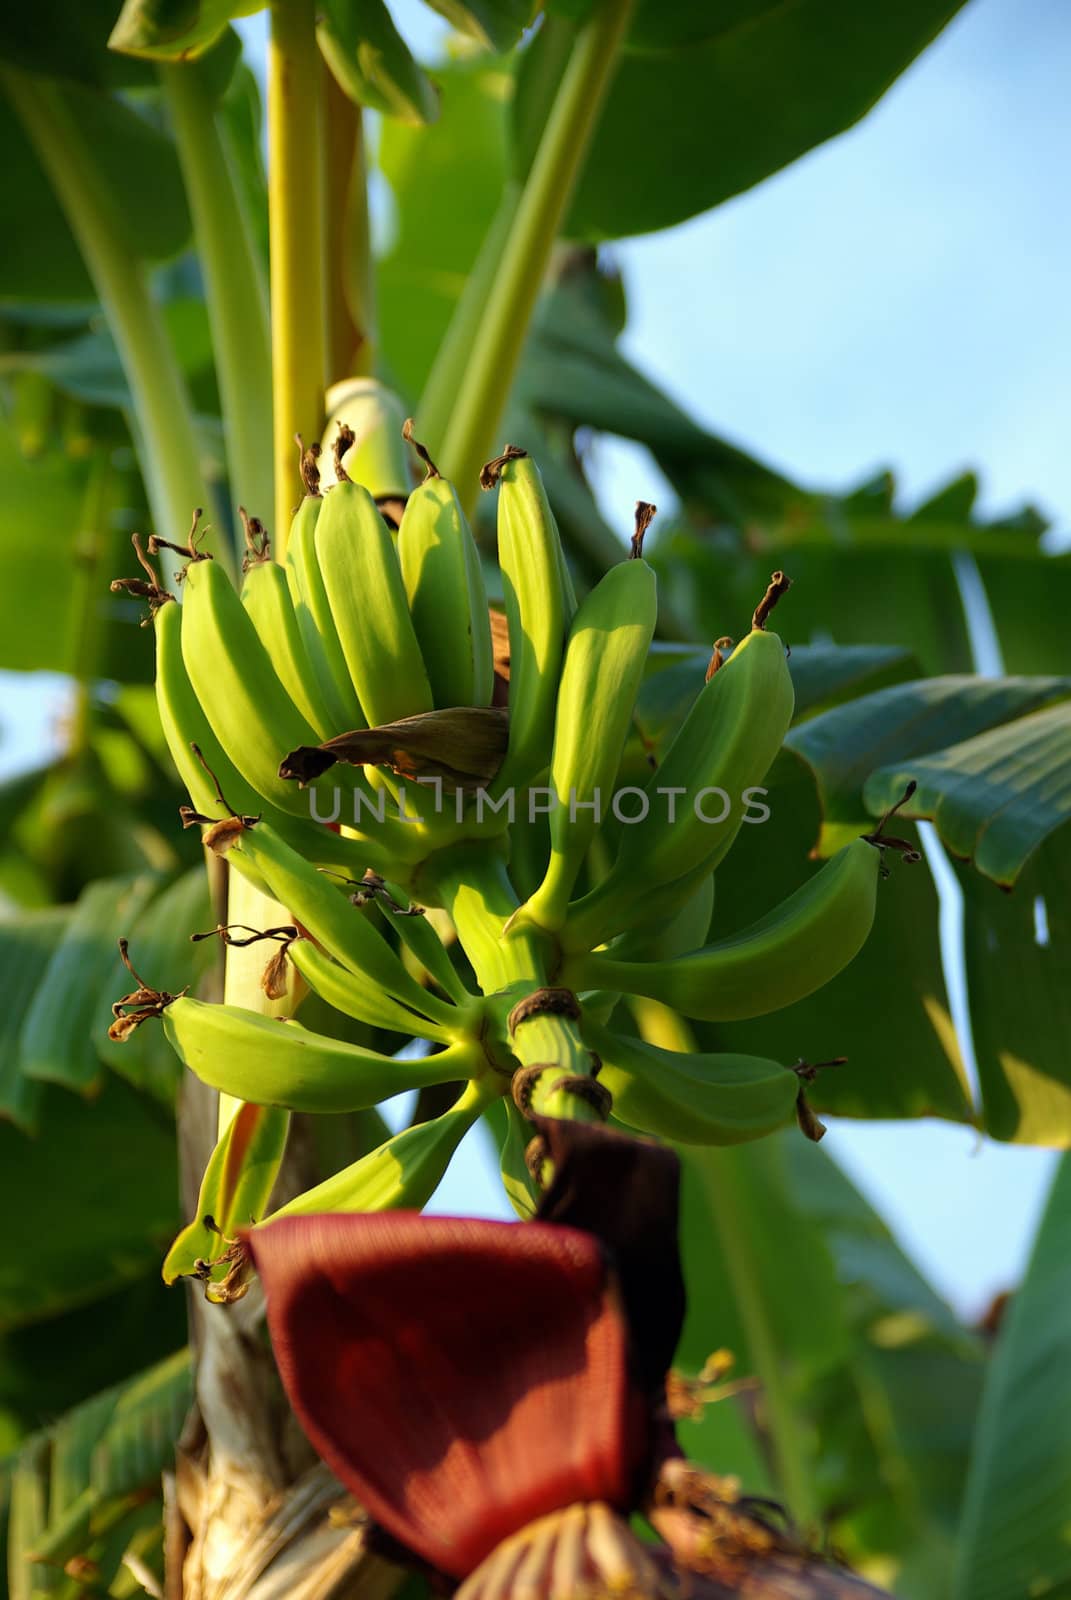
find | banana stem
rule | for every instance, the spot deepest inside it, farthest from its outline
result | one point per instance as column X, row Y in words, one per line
column 480, row 898
column 481, row 399
column 235, row 287
column 659, row 1025
column 296, row 227
column 161, row 419
column 348, row 242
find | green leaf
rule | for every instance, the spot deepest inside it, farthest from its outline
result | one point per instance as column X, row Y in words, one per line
column 95, row 1199
column 751, row 1261
column 892, row 728
column 41, row 260
column 70, row 42
column 371, row 62
column 1030, row 602
column 38, row 1381
column 111, row 1448
column 59, row 1038
column 1020, row 997
column 446, row 183
column 912, row 1070
column 161, row 946
column 497, row 24
column 993, row 798
column 1013, row 1537
column 687, row 129
column 27, row 944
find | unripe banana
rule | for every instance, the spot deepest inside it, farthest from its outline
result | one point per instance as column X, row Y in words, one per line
column 403, row 1173
column 783, row 957
column 185, row 724
column 317, row 626
column 694, row 1099
column 363, row 581
column 343, row 929
column 604, row 661
column 236, row 1186
column 539, row 608
column 267, row 598
column 274, row 1061
column 232, row 675
column 419, row 934
column 378, row 457
column 356, row 997
column 727, row 742
column 447, row 599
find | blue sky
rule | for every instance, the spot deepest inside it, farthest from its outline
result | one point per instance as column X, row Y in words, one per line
column 897, row 298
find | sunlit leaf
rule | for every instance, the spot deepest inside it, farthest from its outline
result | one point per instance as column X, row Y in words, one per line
column 1013, row 1537
column 685, row 130
column 895, row 727
column 1016, row 954
column 994, row 797
column 41, row 260
column 81, row 1231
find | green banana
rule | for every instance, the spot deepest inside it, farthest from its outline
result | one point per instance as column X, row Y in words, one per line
column 517, row 1180
column 603, row 666
column 727, row 742
column 185, row 724
column 419, row 934
column 370, row 612
column 315, row 622
column 356, row 997
column 272, row 1061
column 444, row 582
column 232, row 675
column 404, row 1172
column 785, row 956
column 694, row 1099
column 236, row 1186
column 377, row 458
column 343, row 929
column 539, row 608
column 267, row 598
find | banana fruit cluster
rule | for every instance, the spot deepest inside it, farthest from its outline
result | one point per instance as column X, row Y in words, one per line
column 338, row 724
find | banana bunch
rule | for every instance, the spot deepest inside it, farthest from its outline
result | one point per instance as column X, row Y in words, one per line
column 358, row 683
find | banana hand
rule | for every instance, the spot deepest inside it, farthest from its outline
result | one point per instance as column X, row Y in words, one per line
column 784, row 957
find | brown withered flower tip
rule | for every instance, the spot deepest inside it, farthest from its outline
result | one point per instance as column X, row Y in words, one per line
column 462, row 746
column 494, row 1394
column 140, row 1005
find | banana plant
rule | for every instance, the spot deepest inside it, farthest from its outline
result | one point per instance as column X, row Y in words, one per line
column 466, row 813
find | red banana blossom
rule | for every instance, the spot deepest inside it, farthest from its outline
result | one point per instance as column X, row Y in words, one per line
column 493, row 1393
